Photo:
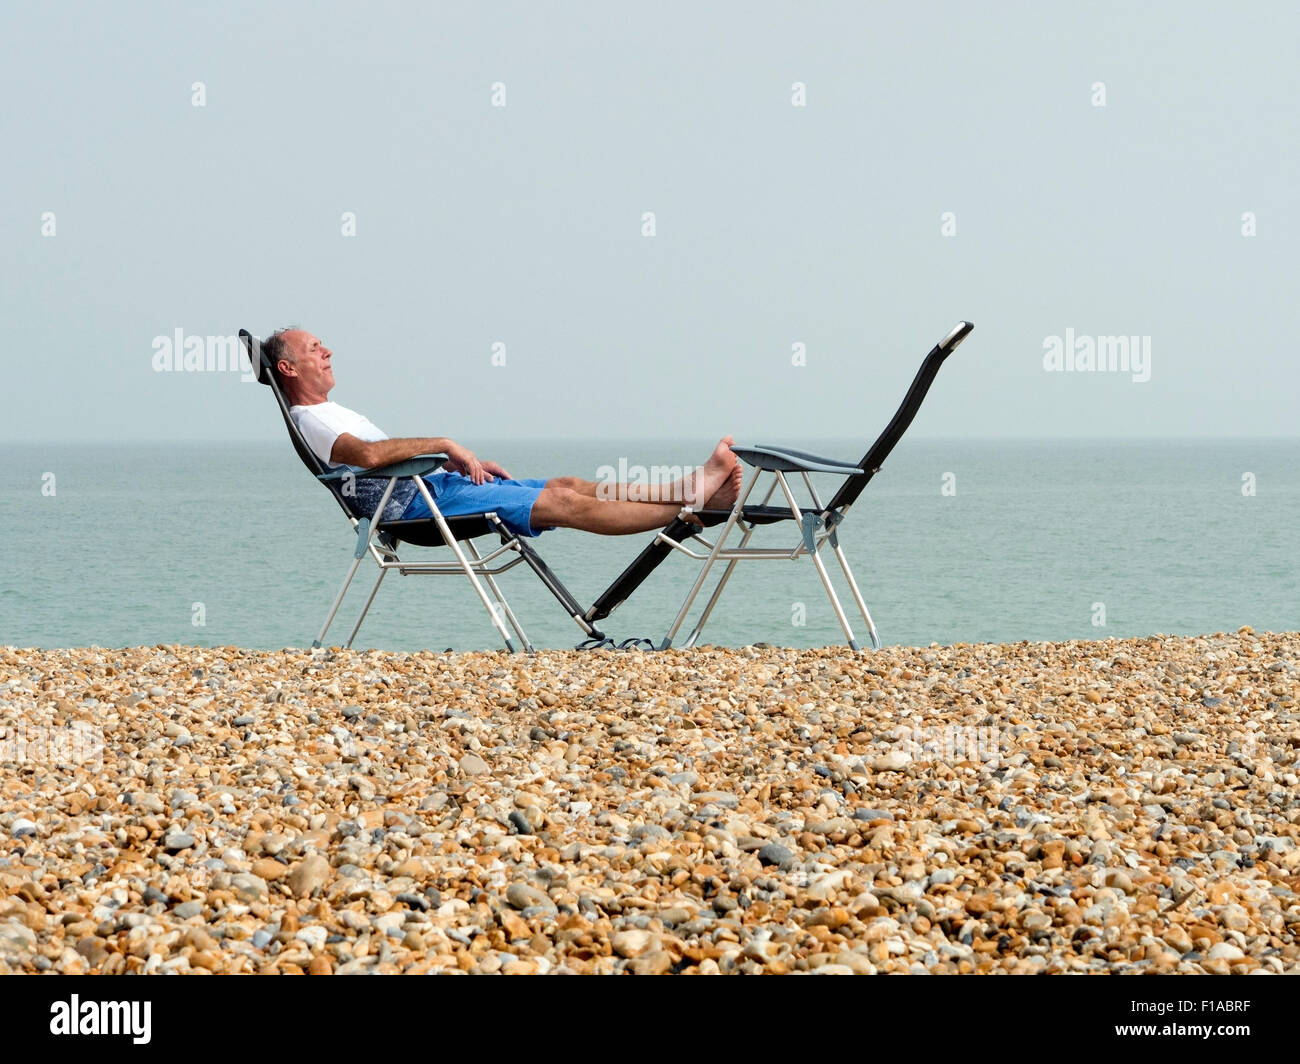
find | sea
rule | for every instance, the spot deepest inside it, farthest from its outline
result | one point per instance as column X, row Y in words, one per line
column 210, row 544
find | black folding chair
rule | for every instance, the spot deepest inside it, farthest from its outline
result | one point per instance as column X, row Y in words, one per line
column 818, row 523
column 380, row 538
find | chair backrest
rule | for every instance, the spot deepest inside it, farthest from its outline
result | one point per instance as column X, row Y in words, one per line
column 875, row 457
column 267, row 374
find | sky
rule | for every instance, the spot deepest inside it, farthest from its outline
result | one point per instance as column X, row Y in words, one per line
column 577, row 220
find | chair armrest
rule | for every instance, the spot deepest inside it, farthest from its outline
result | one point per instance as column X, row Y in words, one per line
column 417, row 466
column 789, row 461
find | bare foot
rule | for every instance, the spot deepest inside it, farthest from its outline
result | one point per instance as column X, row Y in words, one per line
column 725, row 497
column 710, row 477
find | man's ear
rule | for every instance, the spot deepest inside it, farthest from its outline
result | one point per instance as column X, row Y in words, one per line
column 280, row 368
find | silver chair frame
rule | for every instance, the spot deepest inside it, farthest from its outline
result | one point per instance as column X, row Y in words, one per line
column 817, row 530
column 383, row 549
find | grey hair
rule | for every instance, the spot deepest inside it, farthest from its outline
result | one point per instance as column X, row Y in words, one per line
column 276, row 347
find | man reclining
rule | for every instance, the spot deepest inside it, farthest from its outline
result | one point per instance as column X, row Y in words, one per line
column 466, row 484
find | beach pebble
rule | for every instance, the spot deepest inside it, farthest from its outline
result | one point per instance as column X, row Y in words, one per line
column 473, row 765
column 249, row 888
column 522, row 896
column 177, row 841
column 655, row 962
column 775, row 854
column 633, row 943
column 269, row 869
column 313, row 937
column 15, row 939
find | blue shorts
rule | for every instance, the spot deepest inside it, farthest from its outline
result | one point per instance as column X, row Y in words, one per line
column 456, row 496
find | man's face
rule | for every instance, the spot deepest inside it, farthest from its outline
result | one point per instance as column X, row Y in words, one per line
column 311, row 362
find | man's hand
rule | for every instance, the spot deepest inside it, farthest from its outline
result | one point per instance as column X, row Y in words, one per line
column 463, row 460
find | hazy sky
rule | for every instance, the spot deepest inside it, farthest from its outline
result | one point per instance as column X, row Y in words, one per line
column 775, row 224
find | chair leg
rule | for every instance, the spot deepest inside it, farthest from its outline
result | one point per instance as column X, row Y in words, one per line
column 478, row 586
column 505, row 606
column 338, row 599
column 717, row 592
column 452, row 542
column 857, row 596
column 366, row 608
column 708, row 564
column 835, row 601
column 690, row 598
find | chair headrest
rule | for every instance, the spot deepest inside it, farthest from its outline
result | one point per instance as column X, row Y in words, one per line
column 256, row 359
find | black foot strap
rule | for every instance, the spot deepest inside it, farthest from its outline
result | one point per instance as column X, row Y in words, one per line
column 605, row 643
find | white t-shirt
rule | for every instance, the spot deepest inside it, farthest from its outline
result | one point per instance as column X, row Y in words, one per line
column 323, row 423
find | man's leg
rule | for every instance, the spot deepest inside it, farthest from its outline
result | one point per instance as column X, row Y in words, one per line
column 685, row 491
column 567, row 502
column 675, row 493
column 562, row 507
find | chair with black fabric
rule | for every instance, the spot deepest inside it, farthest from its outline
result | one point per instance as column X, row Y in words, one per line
column 380, row 539
column 818, row 524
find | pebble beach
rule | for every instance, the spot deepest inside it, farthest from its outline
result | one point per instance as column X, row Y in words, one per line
column 1115, row 806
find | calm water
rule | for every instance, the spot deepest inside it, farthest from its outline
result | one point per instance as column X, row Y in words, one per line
column 1160, row 533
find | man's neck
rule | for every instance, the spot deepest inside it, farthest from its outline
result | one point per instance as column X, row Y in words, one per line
column 309, row 399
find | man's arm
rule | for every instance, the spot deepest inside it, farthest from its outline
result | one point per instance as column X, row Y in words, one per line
column 355, row 452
